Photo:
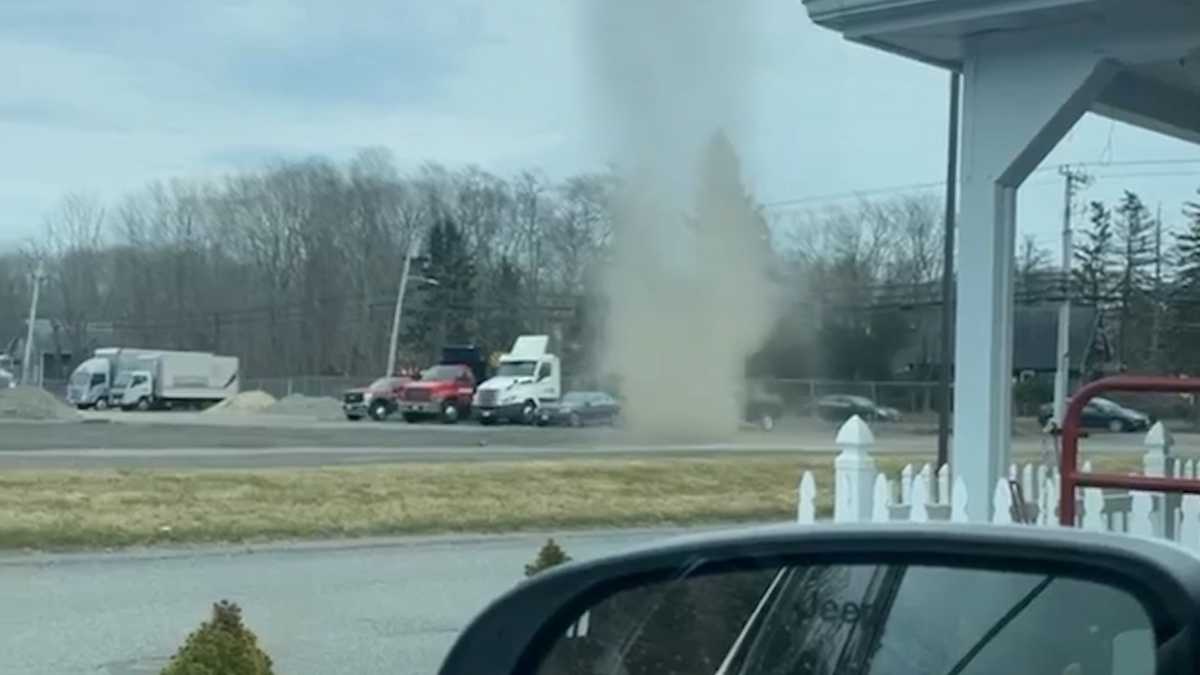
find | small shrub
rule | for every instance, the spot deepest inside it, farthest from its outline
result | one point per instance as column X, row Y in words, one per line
column 221, row 646
column 551, row 554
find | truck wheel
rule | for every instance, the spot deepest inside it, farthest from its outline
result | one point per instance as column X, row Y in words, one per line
column 101, row 404
column 528, row 412
column 379, row 411
column 450, row 412
column 576, row 420
column 767, row 422
column 143, row 404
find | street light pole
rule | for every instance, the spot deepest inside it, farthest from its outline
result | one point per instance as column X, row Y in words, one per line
column 26, row 371
column 413, row 244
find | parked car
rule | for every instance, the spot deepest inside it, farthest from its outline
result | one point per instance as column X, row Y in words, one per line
column 579, row 408
column 1102, row 413
column 841, row 407
column 377, row 399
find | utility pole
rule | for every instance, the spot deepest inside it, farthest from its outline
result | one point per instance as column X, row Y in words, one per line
column 26, row 372
column 1073, row 179
column 1155, row 343
column 943, row 447
column 414, row 242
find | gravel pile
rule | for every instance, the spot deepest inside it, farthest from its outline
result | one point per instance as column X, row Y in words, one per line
column 245, row 403
column 34, row 403
column 319, row 407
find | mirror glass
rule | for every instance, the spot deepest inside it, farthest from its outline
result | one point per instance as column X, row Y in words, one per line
column 860, row 620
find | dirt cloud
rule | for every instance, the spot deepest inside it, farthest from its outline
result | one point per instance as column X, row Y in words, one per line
column 688, row 285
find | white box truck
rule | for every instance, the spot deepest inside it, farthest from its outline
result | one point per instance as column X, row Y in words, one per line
column 176, row 380
column 91, row 384
column 526, row 377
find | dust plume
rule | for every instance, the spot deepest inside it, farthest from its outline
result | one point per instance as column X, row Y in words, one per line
column 688, row 285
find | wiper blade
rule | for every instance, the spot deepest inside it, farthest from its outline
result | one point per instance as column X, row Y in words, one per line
column 1000, row 624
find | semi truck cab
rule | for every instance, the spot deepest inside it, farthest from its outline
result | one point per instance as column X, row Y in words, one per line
column 525, row 378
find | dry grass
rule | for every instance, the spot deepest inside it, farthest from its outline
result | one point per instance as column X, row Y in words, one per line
column 89, row 509
column 77, row 509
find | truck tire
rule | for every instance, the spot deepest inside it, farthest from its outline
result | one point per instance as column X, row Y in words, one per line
column 380, row 410
column 450, row 412
column 101, row 403
column 529, row 412
column 575, row 420
column 143, row 404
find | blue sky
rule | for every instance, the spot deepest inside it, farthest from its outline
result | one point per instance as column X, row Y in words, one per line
column 103, row 97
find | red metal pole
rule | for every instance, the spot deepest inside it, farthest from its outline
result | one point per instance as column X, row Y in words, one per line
column 1069, row 469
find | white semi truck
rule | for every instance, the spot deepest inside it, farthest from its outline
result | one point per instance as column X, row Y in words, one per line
column 526, row 377
column 164, row 379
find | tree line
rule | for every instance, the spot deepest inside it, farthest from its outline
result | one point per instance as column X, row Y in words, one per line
column 295, row 267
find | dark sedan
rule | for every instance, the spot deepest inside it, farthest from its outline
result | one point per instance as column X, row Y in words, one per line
column 578, row 408
column 1102, row 413
column 841, row 407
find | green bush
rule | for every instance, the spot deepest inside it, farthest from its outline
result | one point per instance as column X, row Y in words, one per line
column 551, row 554
column 221, row 646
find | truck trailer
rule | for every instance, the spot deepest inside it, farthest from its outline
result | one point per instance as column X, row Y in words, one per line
column 176, row 380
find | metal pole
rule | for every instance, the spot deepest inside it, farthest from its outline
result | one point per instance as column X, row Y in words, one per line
column 943, row 448
column 38, row 274
column 413, row 243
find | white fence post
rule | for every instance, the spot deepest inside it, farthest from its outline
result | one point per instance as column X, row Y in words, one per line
column 1157, row 462
column 881, row 502
column 958, row 501
column 854, row 472
column 1158, row 444
column 806, row 497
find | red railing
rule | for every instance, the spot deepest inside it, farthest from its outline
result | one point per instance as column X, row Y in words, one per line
column 1073, row 479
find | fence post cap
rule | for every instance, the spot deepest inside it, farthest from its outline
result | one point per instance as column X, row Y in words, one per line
column 855, row 432
column 1158, row 436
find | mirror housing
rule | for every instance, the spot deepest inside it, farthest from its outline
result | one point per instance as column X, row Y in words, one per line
column 517, row 631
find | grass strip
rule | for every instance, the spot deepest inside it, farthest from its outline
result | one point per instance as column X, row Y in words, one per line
column 68, row 509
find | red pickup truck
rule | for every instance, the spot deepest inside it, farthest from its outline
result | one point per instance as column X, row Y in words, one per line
column 443, row 391
column 377, row 399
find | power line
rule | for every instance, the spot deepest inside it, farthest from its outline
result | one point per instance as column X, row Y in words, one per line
column 929, row 185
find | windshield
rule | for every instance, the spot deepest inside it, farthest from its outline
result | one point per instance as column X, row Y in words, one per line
column 441, row 373
column 516, row 369
column 726, row 211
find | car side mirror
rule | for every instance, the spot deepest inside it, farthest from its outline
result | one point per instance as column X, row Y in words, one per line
column 935, row 599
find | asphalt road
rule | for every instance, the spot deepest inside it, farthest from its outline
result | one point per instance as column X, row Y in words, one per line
column 190, row 440
column 387, row 608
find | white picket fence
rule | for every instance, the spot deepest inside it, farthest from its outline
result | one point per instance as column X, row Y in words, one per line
column 923, row 494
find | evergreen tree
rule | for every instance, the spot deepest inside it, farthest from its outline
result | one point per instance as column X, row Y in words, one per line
column 1134, row 229
column 1185, row 298
column 451, row 300
column 1093, row 273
